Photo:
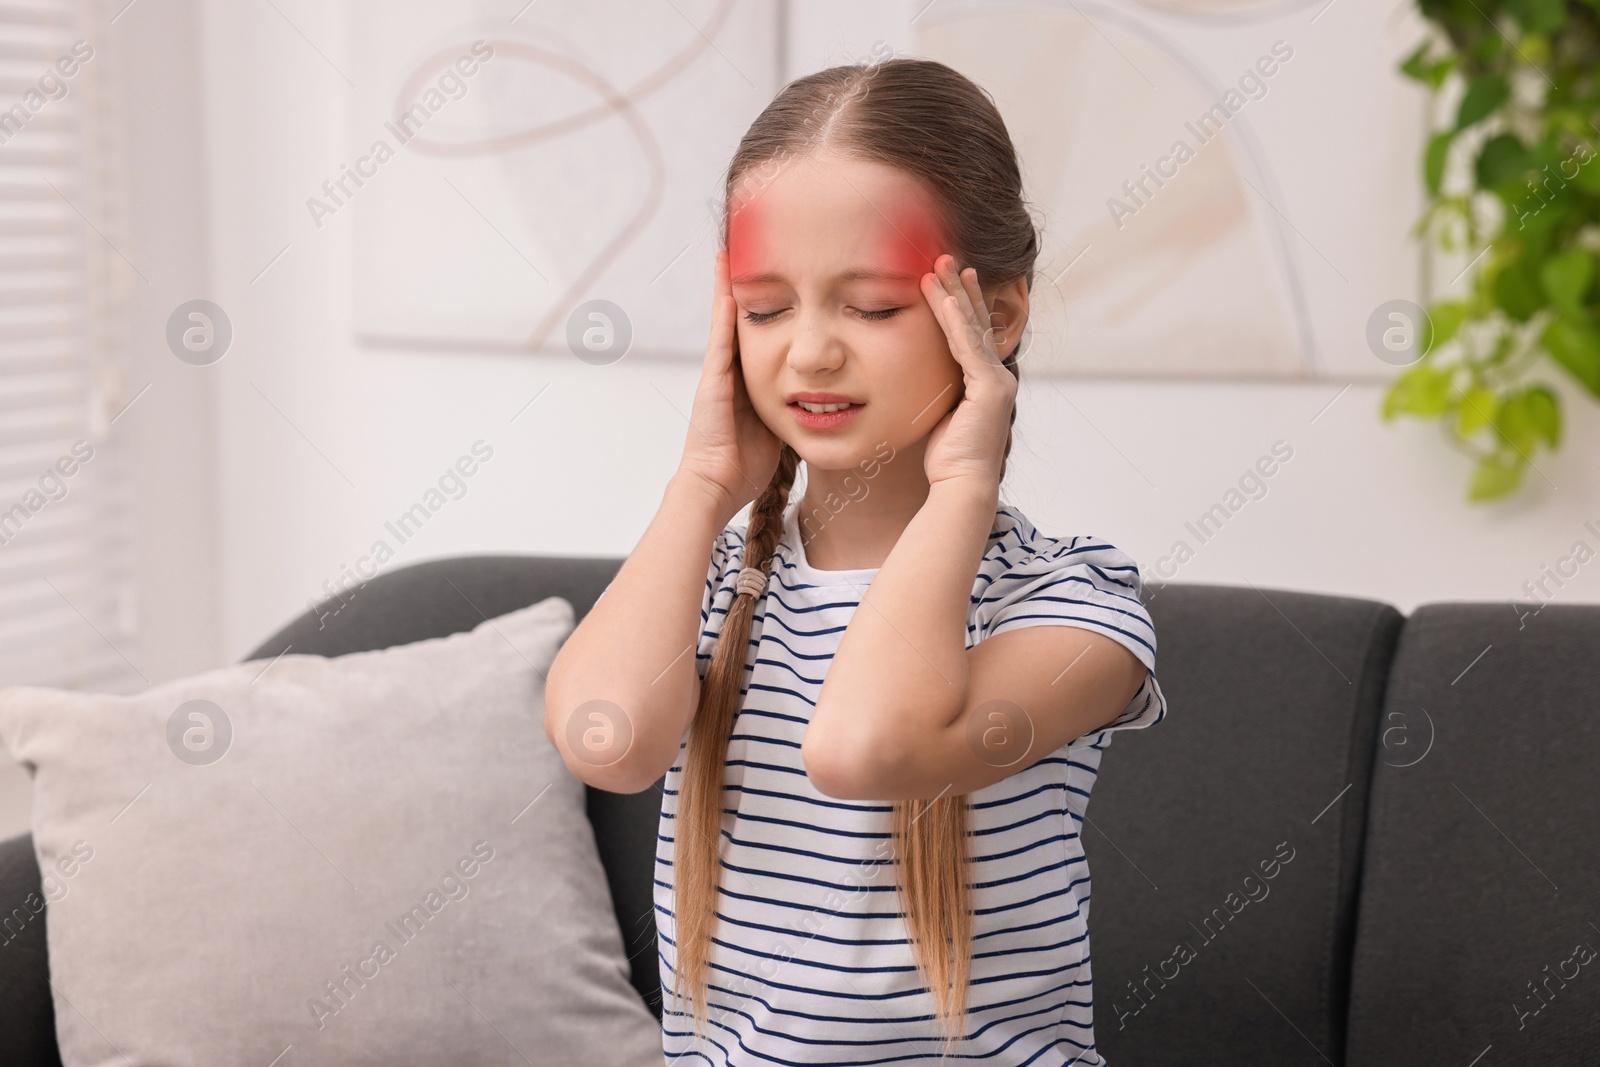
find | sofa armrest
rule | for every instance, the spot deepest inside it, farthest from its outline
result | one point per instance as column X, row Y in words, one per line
column 28, row 1021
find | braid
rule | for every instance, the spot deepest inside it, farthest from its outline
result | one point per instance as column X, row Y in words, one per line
column 697, row 868
column 766, row 515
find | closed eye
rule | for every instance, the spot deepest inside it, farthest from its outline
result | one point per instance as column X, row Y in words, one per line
column 758, row 317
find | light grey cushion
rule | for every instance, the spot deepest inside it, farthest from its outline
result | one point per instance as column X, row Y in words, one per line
column 386, row 862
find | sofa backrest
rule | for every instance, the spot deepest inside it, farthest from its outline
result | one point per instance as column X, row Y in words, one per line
column 27, row 1010
column 1480, row 897
column 1225, row 843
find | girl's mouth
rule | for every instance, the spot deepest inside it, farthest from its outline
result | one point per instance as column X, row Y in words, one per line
column 823, row 416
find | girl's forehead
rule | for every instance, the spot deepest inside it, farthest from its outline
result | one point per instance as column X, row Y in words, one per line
column 834, row 216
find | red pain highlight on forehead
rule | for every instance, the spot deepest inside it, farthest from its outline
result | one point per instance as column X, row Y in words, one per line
column 745, row 231
column 909, row 241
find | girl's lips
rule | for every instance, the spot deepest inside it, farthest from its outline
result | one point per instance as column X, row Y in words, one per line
column 830, row 420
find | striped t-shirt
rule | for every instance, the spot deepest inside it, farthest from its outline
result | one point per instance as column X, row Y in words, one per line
column 810, row 962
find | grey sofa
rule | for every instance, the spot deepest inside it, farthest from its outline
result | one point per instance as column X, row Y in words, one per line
column 1357, row 838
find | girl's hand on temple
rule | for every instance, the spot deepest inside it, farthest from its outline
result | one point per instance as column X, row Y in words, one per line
column 969, row 442
column 729, row 450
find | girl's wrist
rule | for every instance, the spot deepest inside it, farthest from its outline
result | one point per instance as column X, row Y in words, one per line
column 981, row 494
column 692, row 492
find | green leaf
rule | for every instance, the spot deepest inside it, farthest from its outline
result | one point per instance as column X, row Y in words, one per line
column 1538, row 16
column 1575, row 345
column 1447, row 317
column 1423, row 390
column 1527, row 209
column 1514, row 425
column 1495, row 477
column 1544, row 413
column 1430, row 72
column 1417, row 65
column 1433, row 160
column 1503, row 161
column 1478, row 409
column 1580, row 168
column 1566, row 277
column 1486, row 93
column 1516, row 290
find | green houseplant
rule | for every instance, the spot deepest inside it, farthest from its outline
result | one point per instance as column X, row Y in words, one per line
column 1513, row 185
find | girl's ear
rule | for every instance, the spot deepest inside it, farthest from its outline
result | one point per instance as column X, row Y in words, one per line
column 1008, row 313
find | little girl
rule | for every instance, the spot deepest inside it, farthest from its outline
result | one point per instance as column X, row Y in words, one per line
column 877, row 768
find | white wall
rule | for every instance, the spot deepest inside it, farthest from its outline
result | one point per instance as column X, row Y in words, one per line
column 1362, row 508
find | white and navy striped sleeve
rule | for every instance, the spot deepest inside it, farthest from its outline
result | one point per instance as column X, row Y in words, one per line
column 727, row 556
column 1076, row 581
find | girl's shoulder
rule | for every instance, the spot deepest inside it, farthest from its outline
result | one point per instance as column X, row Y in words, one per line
column 1027, row 577
column 1016, row 544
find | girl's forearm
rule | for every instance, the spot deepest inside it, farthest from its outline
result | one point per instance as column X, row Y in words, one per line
column 635, row 651
column 901, row 667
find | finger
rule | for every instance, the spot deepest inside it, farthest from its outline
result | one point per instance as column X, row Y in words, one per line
column 948, row 288
column 953, row 310
column 952, row 320
column 958, row 331
column 966, row 340
column 719, row 347
column 980, row 306
column 955, row 285
column 963, row 285
column 983, row 325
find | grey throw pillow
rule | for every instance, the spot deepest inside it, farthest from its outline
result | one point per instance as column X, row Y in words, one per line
column 372, row 859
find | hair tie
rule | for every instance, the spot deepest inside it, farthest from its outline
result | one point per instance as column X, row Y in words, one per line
column 751, row 581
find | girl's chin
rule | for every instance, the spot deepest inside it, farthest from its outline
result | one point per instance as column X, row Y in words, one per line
column 854, row 451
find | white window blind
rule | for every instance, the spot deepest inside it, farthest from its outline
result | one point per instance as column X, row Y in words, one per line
column 67, row 613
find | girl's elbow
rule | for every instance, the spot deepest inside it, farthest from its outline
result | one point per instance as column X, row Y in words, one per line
column 834, row 770
column 584, row 751
column 617, row 778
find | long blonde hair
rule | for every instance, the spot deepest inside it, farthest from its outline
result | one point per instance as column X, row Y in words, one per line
column 938, row 126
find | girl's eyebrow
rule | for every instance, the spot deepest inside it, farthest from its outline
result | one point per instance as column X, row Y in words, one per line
column 860, row 274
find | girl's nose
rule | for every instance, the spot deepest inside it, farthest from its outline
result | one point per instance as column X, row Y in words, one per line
column 815, row 347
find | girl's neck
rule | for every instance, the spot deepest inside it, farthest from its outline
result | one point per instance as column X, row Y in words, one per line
column 849, row 521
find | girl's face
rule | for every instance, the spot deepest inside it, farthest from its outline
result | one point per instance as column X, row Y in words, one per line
column 826, row 256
